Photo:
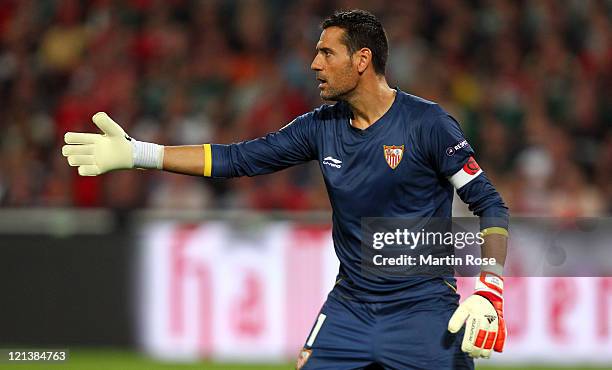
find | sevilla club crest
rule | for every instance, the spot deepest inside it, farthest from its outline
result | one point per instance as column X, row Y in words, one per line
column 393, row 155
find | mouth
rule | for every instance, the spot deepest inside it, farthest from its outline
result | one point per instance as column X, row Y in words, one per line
column 321, row 82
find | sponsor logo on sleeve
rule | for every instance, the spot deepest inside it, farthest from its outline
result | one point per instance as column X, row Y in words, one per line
column 451, row 150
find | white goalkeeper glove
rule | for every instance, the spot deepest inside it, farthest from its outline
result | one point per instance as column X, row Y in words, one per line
column 483, row 314
column 96, row 154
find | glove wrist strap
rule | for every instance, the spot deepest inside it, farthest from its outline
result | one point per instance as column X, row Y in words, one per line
column 490, row 282
column 147, row 155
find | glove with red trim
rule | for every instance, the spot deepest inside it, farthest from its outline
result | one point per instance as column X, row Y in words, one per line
column 483, row 314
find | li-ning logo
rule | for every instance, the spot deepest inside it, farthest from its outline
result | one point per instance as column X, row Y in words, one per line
column 331, row 161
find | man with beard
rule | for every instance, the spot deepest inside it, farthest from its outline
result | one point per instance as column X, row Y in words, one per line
column 383, row 153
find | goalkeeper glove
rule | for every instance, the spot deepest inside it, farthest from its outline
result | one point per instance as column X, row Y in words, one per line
column 96, row 154
column 484, row 312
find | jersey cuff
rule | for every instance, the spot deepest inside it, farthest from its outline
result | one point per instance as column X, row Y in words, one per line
column 494, row 230
column 207, row 160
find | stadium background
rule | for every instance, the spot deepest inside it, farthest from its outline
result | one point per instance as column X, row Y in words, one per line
column 528, row 80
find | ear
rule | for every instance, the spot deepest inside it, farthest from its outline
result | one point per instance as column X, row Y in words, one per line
column 363, row 59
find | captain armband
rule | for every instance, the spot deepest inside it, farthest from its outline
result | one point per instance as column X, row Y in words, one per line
column 467, row 173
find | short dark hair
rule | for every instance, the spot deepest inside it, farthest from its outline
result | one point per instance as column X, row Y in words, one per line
column 362, row 30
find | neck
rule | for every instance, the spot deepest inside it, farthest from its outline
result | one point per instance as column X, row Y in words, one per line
column 370, row 101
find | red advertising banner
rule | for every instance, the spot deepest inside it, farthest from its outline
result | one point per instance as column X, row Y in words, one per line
column 214, row 290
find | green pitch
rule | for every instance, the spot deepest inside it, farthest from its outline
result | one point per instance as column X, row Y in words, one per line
column 127, row 360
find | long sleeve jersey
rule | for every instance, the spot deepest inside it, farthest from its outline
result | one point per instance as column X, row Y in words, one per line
column 406, row 165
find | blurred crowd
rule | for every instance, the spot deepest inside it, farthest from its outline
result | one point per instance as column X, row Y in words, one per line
column 530, row 82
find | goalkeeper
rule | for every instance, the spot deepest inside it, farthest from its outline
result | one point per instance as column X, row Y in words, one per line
column 382, row 153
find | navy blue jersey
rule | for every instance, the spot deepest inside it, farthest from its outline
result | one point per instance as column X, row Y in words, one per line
column 404, row 165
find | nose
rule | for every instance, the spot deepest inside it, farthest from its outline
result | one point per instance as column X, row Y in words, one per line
column 316, row 65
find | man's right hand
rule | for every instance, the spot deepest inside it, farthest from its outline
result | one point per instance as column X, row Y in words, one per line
column 96, row 154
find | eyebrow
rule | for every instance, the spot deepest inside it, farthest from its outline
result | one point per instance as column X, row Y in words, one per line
column 324, row 49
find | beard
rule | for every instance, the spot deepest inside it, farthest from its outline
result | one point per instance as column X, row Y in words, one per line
column 336, row 93
column 342, row 86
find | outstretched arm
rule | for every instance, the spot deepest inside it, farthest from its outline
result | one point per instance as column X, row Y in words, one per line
column 186, row 159
column 95, row 154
